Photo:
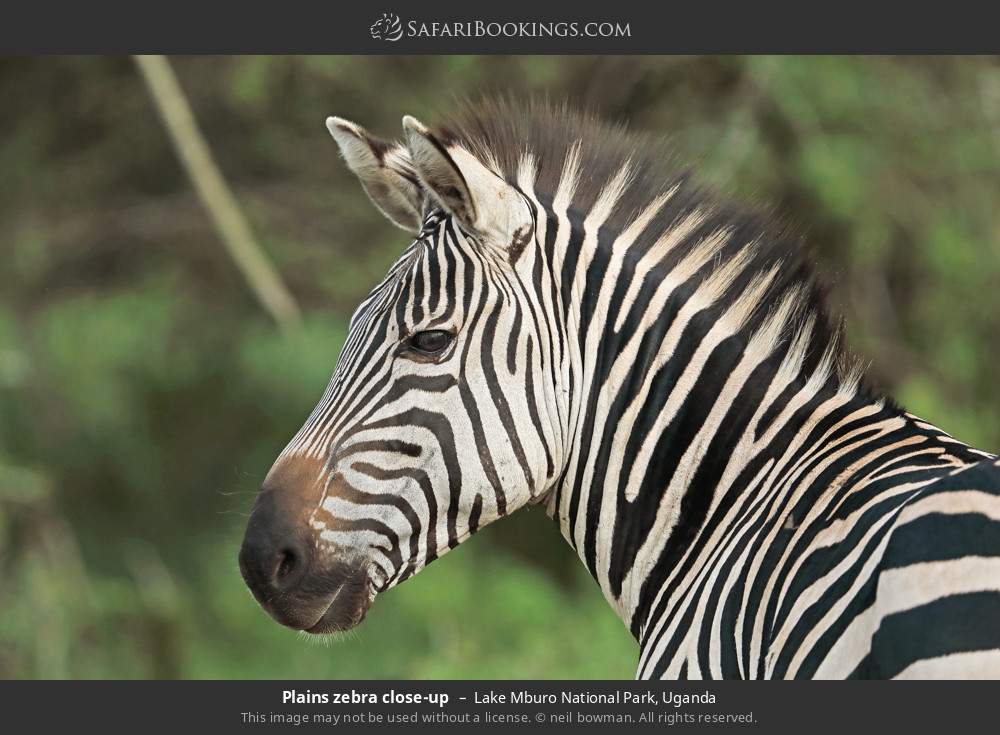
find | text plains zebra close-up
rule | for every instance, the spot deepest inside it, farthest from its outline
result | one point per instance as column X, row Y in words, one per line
column 576, row 325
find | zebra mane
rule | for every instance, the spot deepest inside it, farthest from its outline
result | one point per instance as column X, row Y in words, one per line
column 505, row 134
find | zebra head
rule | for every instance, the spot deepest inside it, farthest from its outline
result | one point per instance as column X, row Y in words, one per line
column 439, row 416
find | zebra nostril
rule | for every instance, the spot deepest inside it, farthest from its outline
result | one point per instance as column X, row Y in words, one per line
column 285, row 566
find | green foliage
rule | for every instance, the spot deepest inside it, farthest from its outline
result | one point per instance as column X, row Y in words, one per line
column 143, row 394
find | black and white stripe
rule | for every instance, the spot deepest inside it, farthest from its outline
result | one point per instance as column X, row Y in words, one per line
column 659, row 370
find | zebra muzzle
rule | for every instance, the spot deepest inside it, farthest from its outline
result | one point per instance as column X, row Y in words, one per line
column 298, row 587
column 319, row 598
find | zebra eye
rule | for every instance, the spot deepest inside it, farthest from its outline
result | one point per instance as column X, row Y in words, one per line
column 430, row 342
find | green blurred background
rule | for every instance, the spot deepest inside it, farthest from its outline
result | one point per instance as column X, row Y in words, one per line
column 144, row 393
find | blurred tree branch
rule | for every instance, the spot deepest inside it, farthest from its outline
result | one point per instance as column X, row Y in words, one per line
column 215, row 195
column 989, row 91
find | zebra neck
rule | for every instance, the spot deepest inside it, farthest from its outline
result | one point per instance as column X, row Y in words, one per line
column 657, row 511
column 649, row 525
column 682, row 425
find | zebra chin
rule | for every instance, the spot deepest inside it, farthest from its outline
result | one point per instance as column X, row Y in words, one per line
column 328, row 601
column 344, row 609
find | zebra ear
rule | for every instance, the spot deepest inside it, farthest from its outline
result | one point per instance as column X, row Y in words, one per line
column 385, row 172
column 481, row 200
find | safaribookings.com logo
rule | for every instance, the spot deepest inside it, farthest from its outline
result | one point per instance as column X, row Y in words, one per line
column 390, row 28
column 387, row 28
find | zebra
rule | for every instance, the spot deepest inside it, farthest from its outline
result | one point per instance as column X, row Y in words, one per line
column 578, row 325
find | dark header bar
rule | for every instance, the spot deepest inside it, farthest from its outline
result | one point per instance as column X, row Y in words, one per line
column 440, row 27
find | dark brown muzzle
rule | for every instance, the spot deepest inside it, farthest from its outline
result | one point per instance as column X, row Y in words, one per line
column 297, row 586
